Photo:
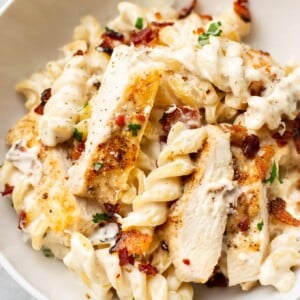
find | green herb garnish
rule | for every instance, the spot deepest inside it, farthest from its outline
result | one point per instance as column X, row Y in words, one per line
column 98, row 166
column 97, row 218
column 136, row 256
column 47, row 252
column 78, row 135
column 82, row 107
column 1, row 165
column 260, row 225
column 107, row 29
column 213, row 29
column 274, row 174
column 139, row 23
column 134, row 128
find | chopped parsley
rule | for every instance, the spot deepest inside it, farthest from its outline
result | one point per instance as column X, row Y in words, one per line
column 260, row 225
column 134, row 128
column 107, row 29
column 82, row 107
column 98, row 166
column 213, row 29
column 78, row 135
column 274, row 174
column 136, row 256
column 47, row 252
column 139, row 23
column 97, row 218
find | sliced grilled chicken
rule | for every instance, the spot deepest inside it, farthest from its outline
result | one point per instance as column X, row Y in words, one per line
column 197, row 221
column 43, row 199
column 119, row 116
column 247, row 227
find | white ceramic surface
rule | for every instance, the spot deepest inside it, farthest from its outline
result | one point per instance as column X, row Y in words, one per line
column 30, row 33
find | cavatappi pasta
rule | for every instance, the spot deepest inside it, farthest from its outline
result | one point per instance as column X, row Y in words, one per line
column 160, row 151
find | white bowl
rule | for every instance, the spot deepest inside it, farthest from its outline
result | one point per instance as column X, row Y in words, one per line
column 30, row 33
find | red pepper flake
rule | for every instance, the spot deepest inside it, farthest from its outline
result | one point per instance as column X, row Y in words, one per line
column 78, row 53
column 145, row 36
column 186, row 261
column 187, row 10
column 125, row 258
column 250, row 146
column 244, row 224
column 141, row 118
column 120, row 120
column 77, row 150
column 22, row 220
column 241, row 7
column 8, row 189
column 148, row 269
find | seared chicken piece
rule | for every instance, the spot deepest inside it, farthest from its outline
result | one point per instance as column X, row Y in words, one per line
column 45, row 202
column 119, row 115
column 197, row 221
column 247, row 227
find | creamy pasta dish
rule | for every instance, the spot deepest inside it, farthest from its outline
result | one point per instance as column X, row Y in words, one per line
column 159, row 152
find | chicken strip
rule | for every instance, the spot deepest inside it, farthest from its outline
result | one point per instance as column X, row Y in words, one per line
column 197, row 221
column 119, row 115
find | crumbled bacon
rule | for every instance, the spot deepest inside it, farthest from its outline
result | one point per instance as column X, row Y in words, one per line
column 148, row 269
column 282, row 139
column 162, row 24
column 110, row 39
column 278, row 210
column 145, row 37
column 77, row 150
column 241, row 7
column 238, row 134
column 263, row 162
column 125, row 258
column 296, row 133
column 8, row 189
column 244, row 224
column 45, row 96
column 111, row 209
column 250, row 146
column 185, row 114
column 22, row 220
column 186, row 11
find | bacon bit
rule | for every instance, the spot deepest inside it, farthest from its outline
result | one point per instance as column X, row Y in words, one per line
column 278, row 210
column 250, row 146
column 120, row 120
column 134, row 241
column 77, row 150
column 111, row 209
column 186, row 261
column 187, row 10
column 162, row 24
column 282, row 140
column 244, row 224
column 186, row 114
column 78, row 53
column 109, row 39
column 22, row 220
column 40, row 109
column 46, row 95
column 238, row 134
column 148, row 269
column 8, row 189
column 217, row 279
column 144, row 37
column 199, row 31
column 114, row 35
column 207, row 17
column 125, row 258
column 97, row 84
column 263, row 162
column 256, row 88
column 241, row 7
column 141, row 118
column 296, row 134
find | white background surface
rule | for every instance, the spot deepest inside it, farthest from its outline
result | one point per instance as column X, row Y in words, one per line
column 9, row 289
